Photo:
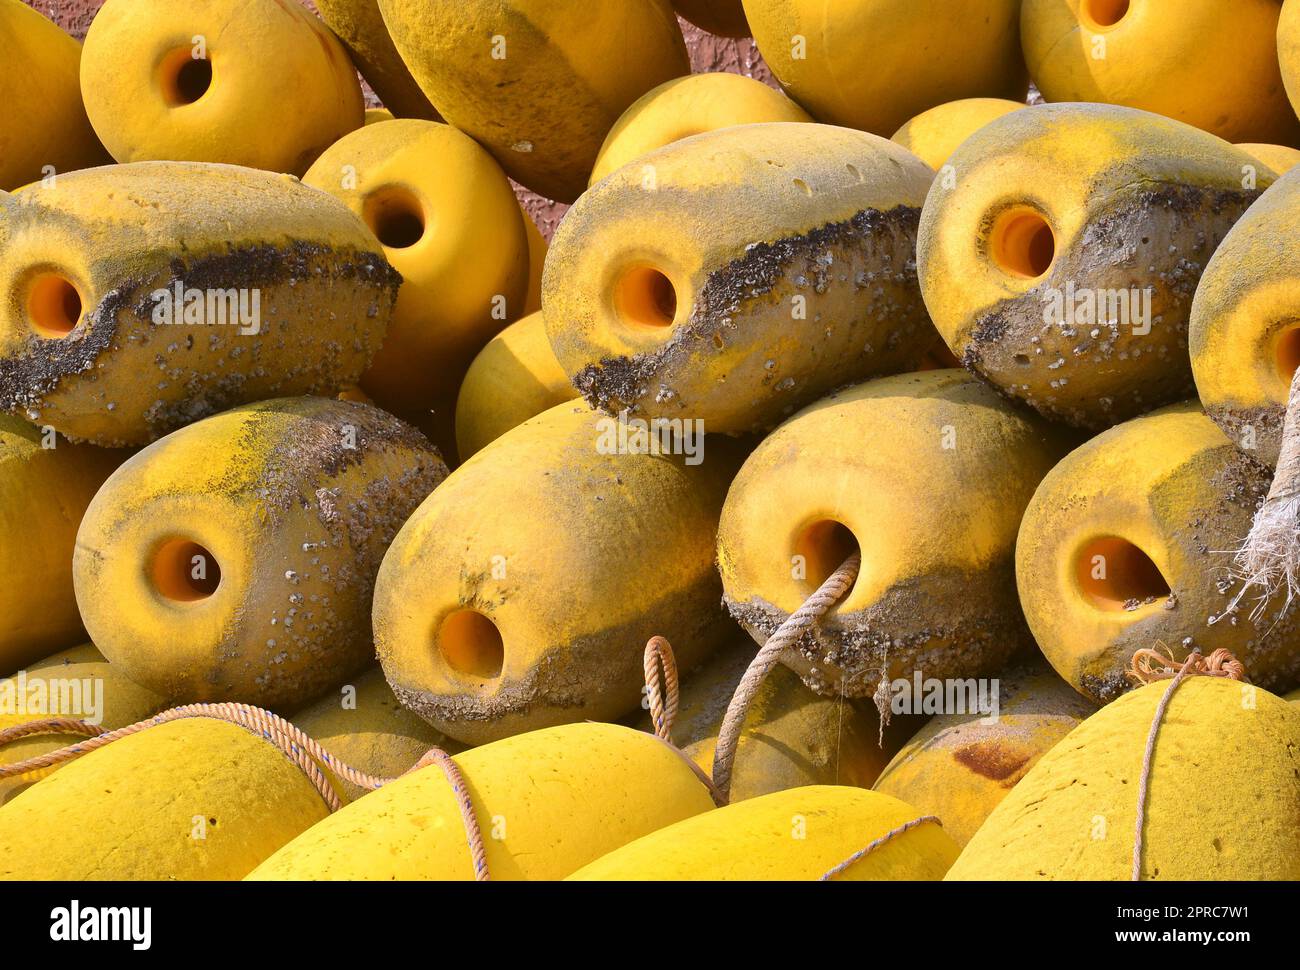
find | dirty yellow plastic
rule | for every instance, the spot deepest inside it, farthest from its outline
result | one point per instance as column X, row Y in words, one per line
column 1128, row 543
column 139, row 298
column 961, row 765
column 792, row 835
column 862, row 470
column 1060, row 257
column 477, row 618
column 234, row 559
column 738, row 275
column 538, row 82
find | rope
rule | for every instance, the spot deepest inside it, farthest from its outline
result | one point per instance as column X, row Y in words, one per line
column 873, row 846
column 1147, row 667
column 306, row 753
column 827, row 595
column 659, row 657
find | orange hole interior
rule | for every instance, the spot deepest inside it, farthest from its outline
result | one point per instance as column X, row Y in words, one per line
column 1286, row 353
column 53, row 306
column 1023, row 244
column 1105, row 13
column 824, row 546
column 646, row 297
column 1112, row 571
column 471, row 644
column 184, row 571
column 183, row 78
column 395, row 216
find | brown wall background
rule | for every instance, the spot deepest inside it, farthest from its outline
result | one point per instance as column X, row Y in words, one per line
column 708, row 53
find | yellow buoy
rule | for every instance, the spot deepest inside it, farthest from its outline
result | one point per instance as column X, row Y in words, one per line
column 791, row 738
column 687, row 106
column 514, row 378
column 738, row 275
column 538, row 83
column 45, row 485
column 44, row 130
column 1280, row 158
column 547, row 802
column 960, row 765
column 1060, row 255
column 1221, row 805
column 234, row 560
column 871, row 469
column 360, row 26
column 477, row 620
column 140, row 298
column 1165, row 58
column 1116, row 554
column 189, row 800
column 248, row 82
column 361, row 724
column 792, row 835
column 1244, row 337
column 934, row 135
column 449, row 224
column 872, row 64
column 91, row 690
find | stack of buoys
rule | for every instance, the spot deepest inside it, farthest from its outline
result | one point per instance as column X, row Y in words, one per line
column 876, row 475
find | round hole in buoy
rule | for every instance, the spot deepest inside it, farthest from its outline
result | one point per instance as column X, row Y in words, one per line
column 183, row 78
column 646, row 297
column 53, row 306
column 1104, row 13
column 471, row 644
column 184, row 571
column 1286, row 353
column 1023, row 243
column 823, row 546
column 1113, row 572
column 395, row 216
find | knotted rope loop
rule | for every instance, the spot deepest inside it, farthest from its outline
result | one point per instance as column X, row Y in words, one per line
column 663, row 700
column 1147, row 667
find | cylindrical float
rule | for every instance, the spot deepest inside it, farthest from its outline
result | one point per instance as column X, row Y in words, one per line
column 1060, row 259
column 1128, row 543
column 44, row 130
column 45, row 485
column 740, row 274
column 521, row 593
column 538, row 83
column 547, row 803
column 140, row 298
column 800, row 834
column 1222, row 795
column 247, row 82
column 927, row 476
column 872, row 64
column 234, row 560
